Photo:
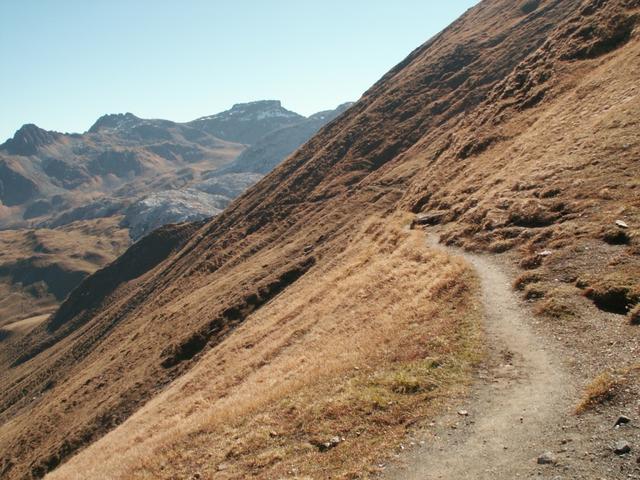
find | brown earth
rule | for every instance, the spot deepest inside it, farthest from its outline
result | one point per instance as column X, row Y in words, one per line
column 38, row 268
column 515, row 129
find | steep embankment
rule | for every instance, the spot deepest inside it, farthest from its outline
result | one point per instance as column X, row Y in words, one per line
column 485, row 128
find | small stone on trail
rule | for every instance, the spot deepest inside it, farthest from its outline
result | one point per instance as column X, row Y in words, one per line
column 546, row 458
column 463, row 413
column 622, row 448
column 621, row 224
column 545, row 253
column 622, row 420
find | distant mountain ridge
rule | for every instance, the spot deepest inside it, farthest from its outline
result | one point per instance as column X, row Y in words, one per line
column 248, row 122
column 125, row 177
column 46, row 176
column 267, row 152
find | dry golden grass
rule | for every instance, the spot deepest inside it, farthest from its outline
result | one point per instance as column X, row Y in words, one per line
column 361, row 348
column 605, row 387
column 600, row 390
column 555, row 301
column 558, row 181
column 24, row 326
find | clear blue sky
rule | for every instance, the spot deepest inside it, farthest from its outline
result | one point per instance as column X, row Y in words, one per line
column 66, row 62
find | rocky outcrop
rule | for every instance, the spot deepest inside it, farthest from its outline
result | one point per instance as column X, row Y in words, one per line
column 123, row 158
column 248, row 122
column 28, row 140
column 115, row 121
column 269, row 151
column 121, row 163
column 173, row 206
column 228, row 185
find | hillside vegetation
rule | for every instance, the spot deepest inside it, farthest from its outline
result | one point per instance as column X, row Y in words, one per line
column 305, row 311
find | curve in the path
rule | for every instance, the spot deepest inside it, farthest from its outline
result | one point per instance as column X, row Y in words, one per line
column 513, row 409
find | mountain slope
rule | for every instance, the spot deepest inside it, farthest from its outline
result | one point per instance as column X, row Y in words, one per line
column 267, row 153
column 311, row 265
column 136, row 174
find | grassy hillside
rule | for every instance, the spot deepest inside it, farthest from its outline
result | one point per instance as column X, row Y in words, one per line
column 515, row 130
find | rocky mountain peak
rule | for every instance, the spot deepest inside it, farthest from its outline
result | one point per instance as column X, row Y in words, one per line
column 114, row 121
column 28, row 139
column 248, row 122
column 258, row 110
column 331, row 114
column 258, row 105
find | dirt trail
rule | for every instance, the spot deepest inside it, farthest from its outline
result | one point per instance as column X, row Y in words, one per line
column 516, row 408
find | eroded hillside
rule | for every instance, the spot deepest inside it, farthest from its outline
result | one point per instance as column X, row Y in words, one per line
column 306, row 312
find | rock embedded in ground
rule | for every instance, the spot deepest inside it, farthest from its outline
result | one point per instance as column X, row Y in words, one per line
column 622, row 420
column 547, row 458
column 622, row 448
column 429, row 219
column 331, row 443
column 622, row 224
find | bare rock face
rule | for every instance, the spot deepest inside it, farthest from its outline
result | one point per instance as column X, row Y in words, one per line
column 28, row 139
column 269, row 151
column 229, row 185
column 173, row 206
column 247, row 122
column 123, row 159
column 116, row 121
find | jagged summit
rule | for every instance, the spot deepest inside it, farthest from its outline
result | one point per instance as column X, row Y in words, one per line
column 115, row 121
column 28, row 139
